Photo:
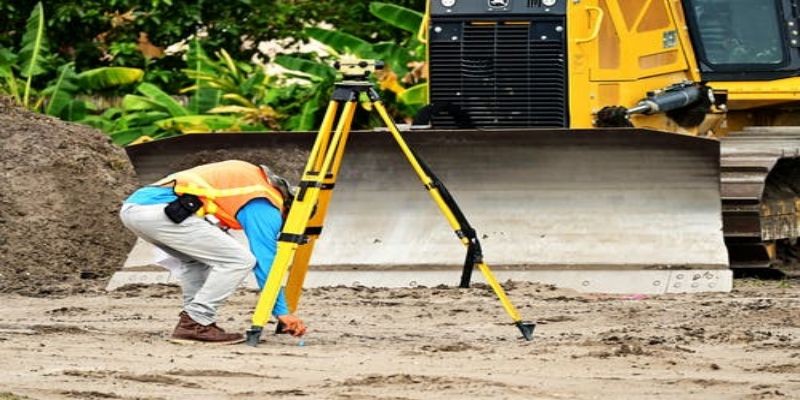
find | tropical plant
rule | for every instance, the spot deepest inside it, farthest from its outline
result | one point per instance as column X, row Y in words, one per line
column 402, row 61
column 154, row 114
column 97, row 33
column 315, row 91
column 231, row 87
column 21, row 71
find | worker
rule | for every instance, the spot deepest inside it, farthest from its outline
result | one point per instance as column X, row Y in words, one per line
column 187, row 215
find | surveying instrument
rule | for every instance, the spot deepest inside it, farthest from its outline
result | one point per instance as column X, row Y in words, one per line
column 304, row 222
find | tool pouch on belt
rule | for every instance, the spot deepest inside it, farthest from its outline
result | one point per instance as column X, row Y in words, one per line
column 182, row 207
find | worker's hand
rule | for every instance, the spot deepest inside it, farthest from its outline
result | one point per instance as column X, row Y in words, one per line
column 292, row 325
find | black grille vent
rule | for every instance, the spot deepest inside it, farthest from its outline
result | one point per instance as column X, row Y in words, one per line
column 500, row 75
column 534, row 3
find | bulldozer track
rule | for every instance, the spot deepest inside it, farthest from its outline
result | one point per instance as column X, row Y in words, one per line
column 760, row 177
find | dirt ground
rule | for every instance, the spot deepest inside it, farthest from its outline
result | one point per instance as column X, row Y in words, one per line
column 420, row 343
column 61, row 185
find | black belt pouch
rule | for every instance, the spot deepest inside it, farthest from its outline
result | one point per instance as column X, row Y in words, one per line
column 182, row 207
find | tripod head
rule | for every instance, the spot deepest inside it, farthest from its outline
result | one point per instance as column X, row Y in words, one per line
column 357, row 70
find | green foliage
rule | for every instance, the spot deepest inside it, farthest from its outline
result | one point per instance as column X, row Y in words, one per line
column 119, row 42
column 33, row 50
column 59, row 95
column 102, row 78
column 319, row 79
column 398, row 57
column 416, row 95
column 398, row 16
column 96, row 33
column 341, row 42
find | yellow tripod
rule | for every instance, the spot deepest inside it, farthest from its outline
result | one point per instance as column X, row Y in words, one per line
column 307, row 214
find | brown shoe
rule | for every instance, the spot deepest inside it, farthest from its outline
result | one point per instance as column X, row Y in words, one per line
column 188, row 330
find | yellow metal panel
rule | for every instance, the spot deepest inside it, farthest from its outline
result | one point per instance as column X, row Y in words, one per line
column 780, row 90
column 651, row 61
column 631, row 10
column 582, row 55
column 629, row 43
column 684, row 41
column 656, row 17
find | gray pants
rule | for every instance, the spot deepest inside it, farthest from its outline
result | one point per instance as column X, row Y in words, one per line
column 214, row 264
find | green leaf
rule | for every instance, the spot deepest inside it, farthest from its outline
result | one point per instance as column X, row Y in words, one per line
column 61, row 92
column 204, row 99
column 162, row 99
column 236, row 98
column 97, row 122
column 229, row 63
column 7, row 61
column 415, row 95
column 75, row 111
column 397, row 16
column 123, row 137
column 132, row 103
column 33, row 49
column 396, row 57
column 308, row 117
column 307, row 67
column 197, row 123
column 108, row 77
column 145, row 118
column 112, row 112
column 343, row 43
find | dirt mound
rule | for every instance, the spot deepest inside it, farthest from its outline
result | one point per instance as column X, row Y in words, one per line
column 62, row 185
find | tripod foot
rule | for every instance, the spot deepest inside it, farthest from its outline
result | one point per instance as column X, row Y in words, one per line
column 253, row 336
column 526, row 328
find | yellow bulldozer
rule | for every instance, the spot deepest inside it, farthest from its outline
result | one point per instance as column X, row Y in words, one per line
column 607, row 145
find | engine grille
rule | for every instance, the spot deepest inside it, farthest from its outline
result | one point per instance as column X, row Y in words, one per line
column 500, row 74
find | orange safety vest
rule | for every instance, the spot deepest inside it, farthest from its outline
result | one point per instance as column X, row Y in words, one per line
column 224, row 188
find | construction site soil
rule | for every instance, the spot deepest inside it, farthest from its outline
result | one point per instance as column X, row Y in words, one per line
column 415, row 343
column 61, row 185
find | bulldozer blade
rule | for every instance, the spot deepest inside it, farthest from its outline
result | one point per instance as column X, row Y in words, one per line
column 602, row 210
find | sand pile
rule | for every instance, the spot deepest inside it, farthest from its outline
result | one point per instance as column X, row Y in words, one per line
column 61, row 185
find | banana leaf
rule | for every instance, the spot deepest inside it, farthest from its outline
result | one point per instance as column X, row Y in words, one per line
column 204, row 99
column 307, row 119
column 143, row 118
column 164, row 100
column 395, row 56
column 75, row 110
column 61, row 93
column 33, row 50
column 341, row 42
column 314, row 69
column 126, row 136
column 108, row 77
column 415, row 95
column 132, row 102
column 7, row 60
column 397, row 16
column 108, row 121
column 198, row 123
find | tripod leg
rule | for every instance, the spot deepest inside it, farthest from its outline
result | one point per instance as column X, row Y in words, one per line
column 525, row 327
column 293, row 233
column 294, row 285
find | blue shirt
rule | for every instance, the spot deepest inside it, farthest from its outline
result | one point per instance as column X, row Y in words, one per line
column 260, row 220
